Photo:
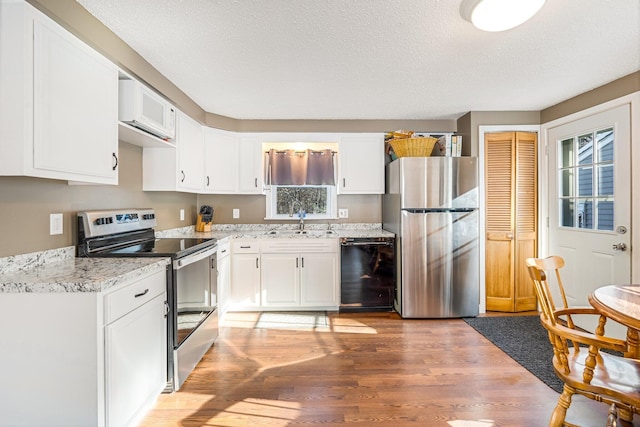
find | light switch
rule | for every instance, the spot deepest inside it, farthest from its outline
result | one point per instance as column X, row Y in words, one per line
column 181, row 214
column 55, row 224
column 236, row 213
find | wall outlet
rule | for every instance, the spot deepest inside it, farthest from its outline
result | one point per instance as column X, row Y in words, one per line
column 55, row 224
column 181, row 214
column 343, row 213
column 236, row 213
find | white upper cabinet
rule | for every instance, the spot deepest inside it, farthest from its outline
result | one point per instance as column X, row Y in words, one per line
column 190, row 148
column 180, row 168
column 250, row 179
column 58, row 101
column 361, row 164
column 221, row 160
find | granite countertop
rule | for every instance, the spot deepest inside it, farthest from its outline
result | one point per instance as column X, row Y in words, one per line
column 58, row 270
column 79, row 274
column 225, row 232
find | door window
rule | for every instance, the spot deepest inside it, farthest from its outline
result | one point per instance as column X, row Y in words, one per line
column 585, row 177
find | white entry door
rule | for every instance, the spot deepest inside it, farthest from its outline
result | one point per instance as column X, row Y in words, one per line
column 590, row 201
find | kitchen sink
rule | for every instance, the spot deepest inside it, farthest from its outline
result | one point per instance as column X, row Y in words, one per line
column 301, row 233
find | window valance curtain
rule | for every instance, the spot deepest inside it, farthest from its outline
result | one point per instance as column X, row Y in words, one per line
column 308, row 167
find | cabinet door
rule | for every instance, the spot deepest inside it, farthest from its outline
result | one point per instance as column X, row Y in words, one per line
column 221, row 156
column 190, row 146
column 245, row 280
column 224, row 283
column 135, row 361
column 361, row 160
column 250, row 167
column 280, row 280
column 75, row 108
column 319, row 280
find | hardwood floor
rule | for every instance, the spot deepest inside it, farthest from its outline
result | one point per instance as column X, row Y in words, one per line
column 369, row 369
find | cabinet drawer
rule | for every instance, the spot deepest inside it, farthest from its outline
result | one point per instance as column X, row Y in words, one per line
column 299, row 245
column 245, row 247
column 224, row 250
column 132, row 296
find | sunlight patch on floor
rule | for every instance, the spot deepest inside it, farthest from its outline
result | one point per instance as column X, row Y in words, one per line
column 471, row 423
column 275, row 413
column 296, row 321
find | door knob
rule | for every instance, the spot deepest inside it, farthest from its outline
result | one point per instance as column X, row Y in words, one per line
column 620, row 247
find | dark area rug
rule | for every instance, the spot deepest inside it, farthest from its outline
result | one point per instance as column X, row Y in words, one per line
column 525, row 340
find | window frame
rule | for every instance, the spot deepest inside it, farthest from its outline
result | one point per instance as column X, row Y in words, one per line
column 271, row 204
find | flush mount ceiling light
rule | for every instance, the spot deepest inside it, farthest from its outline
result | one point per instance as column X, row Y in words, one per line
column 499, row 15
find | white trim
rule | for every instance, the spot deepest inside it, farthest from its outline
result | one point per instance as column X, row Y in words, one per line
column 332, row 203
column 634, row 102
column 482, row 130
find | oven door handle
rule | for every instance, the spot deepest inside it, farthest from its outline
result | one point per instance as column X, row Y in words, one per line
column 190, row 259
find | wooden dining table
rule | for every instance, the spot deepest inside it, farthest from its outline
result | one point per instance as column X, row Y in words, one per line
column 622, row 304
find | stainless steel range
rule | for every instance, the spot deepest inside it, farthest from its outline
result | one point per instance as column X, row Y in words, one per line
column 192, row 317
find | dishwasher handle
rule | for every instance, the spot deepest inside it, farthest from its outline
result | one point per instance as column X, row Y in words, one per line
column 365, row 243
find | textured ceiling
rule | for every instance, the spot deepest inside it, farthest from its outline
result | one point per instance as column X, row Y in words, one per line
column 374, row 59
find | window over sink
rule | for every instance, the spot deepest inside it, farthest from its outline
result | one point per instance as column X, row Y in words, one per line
column 288, row 202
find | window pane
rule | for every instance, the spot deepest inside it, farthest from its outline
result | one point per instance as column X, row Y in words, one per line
column 566, row 181
column 604, row 140
column 585, row 149
column 566, row 154
column 566, row 212
column 290, row 200
column 585, row 213
column 585, row 181
column 605, row 180
column 605, row 215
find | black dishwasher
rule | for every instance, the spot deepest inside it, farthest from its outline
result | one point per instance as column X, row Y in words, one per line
column 367, row 273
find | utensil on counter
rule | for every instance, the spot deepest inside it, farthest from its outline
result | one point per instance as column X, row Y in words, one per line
column 205, row 218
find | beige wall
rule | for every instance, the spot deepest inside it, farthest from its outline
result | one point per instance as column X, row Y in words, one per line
column 469, row 123
column 362, row 208
column 615, row 89
column 25, row 205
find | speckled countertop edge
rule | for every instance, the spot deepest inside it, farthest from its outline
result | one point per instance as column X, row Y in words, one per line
column 224, row 232
column 79, row 275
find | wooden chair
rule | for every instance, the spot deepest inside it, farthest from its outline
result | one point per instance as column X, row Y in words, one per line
column 582, row 367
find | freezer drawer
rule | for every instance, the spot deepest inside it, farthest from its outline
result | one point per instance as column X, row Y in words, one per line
column 440, row 264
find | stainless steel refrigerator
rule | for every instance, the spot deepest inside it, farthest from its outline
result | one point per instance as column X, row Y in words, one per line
column 431, row 203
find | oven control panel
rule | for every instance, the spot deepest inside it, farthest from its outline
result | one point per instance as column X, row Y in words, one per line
column 100, row 223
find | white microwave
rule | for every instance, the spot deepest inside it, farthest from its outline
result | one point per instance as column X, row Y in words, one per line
column 141, row 107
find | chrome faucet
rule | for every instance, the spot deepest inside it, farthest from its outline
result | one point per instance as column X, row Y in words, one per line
column 301, row 213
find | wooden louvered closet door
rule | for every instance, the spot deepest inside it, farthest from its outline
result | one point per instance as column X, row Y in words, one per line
column 511, row 225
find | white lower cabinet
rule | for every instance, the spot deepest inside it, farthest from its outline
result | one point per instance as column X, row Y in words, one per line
column 224, row 278
column 245, row 275
column 319, row 280
column 280, row 280
column 299, row 280
column 83, row 358
column 134, row 360
column 286, row 274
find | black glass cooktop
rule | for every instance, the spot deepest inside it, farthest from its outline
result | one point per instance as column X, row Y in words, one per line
column 173, row 247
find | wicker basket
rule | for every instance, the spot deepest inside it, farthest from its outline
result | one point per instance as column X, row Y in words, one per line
column 413, row 147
